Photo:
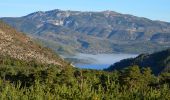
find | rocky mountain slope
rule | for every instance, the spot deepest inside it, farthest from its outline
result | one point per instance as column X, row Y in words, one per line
column 16, row 45
column 158, row 62
column 94, row 32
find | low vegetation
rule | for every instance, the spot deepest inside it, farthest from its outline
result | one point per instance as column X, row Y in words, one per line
column 21, row 80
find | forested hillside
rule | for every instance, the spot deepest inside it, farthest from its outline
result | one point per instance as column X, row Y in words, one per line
column 20, row 80
column 158, row 62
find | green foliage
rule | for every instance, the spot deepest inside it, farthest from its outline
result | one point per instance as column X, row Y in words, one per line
column 20, row 80
column 158, row 62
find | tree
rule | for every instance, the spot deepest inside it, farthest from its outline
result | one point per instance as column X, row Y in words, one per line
column 131, row 77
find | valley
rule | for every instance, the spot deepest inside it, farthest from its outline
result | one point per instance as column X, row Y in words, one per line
column 86, row 52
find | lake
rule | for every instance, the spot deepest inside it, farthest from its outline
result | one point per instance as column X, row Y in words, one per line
column 98, row 61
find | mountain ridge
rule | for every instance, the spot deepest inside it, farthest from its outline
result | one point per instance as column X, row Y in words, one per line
column 158, row 62
column 118, row 32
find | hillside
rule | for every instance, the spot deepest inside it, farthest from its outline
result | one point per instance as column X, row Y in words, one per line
column 17, row 45
column 158, row 62
column 22, row 80
column 94, row 32
column 21, row 77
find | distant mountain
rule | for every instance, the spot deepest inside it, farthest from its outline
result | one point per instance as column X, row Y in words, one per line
column 158, row 62
column 16, row 45
column 94, row 32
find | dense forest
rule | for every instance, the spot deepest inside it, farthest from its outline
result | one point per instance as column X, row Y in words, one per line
column 158, row 62
column 21, row 80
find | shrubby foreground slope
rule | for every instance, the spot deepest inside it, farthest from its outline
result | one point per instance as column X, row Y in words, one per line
column 20, row 80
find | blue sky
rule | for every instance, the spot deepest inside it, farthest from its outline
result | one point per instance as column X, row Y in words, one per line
column 153, row 9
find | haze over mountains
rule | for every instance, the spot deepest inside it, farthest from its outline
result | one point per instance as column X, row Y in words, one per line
column 94, row 32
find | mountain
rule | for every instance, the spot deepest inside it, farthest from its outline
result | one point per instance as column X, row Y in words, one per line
column 158, row 62
column 16, row 45
column 94, row 32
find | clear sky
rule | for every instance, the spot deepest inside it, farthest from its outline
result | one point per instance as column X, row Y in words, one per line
column 153, row 9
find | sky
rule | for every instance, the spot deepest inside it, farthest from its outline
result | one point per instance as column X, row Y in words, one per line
column 152, row 9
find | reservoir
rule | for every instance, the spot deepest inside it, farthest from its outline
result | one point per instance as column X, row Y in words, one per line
column 97, row 61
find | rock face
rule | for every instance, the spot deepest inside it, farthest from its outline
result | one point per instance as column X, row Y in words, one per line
column 105, row 31
column 17, row 45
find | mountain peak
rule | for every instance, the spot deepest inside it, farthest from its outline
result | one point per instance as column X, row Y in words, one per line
column 35, row 14
column 115, row 28
column 55, row 10
column 109, row 11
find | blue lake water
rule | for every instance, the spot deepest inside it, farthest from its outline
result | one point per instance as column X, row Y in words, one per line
column 93, row 66
column 100, row 61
